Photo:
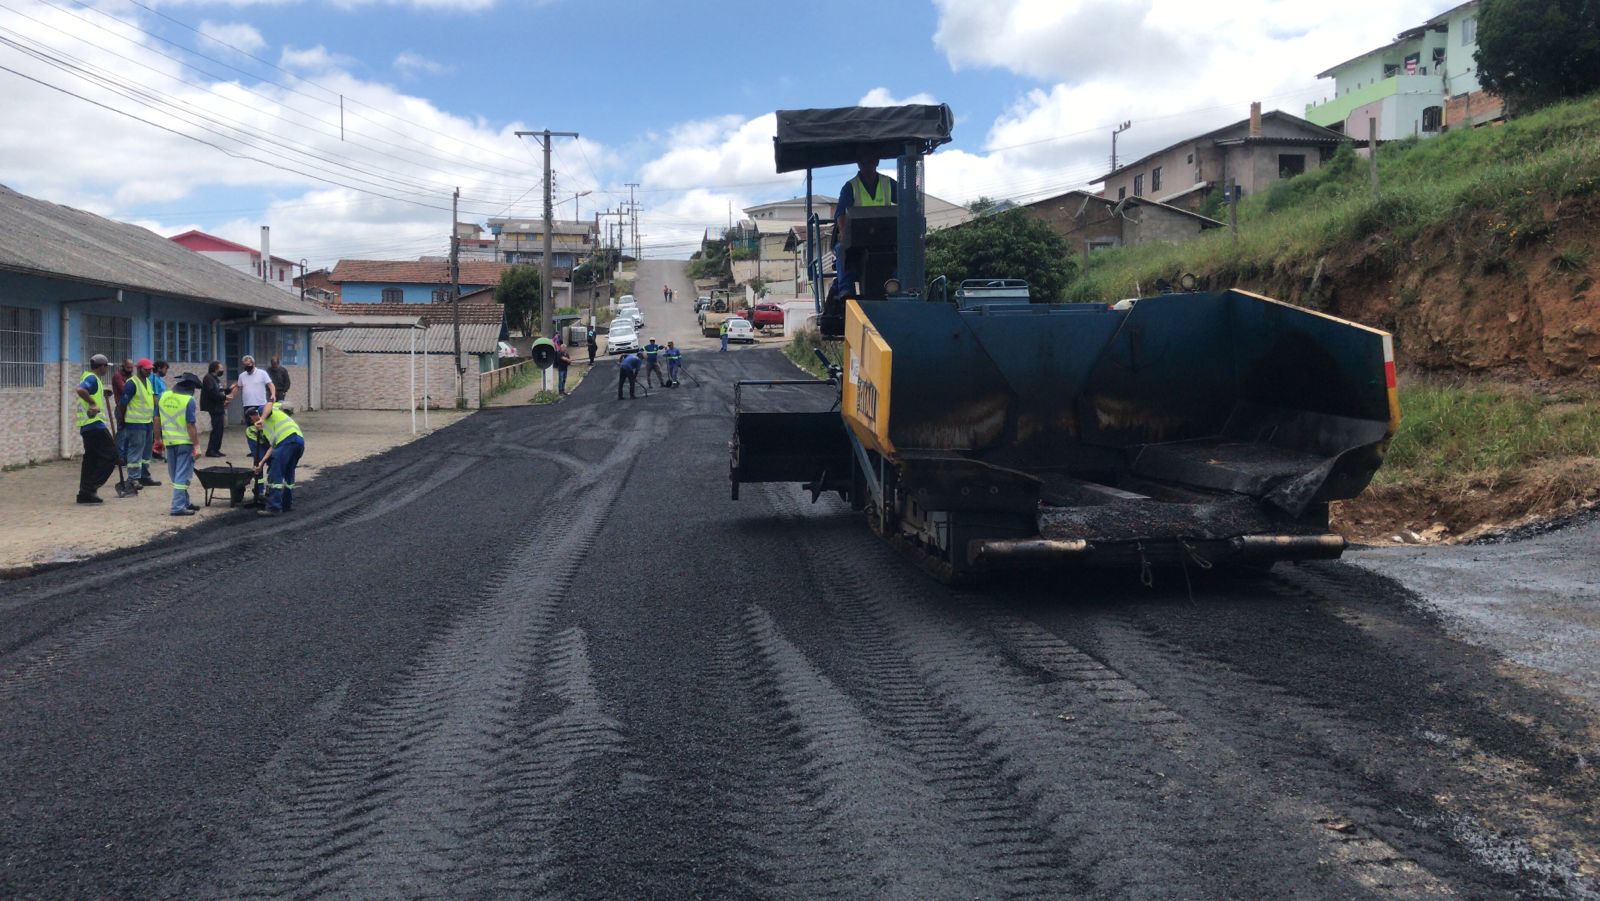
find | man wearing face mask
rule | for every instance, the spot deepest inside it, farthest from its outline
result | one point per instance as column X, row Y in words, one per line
column 254, row 387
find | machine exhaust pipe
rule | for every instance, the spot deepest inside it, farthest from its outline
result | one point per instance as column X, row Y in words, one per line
column 1025, row 551
column 1290, row 547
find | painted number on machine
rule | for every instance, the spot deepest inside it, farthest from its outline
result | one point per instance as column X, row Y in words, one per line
column 867, row 401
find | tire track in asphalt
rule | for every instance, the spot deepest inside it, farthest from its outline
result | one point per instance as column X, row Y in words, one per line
column 397, row 806
column 1349, row 836
column 39, row 657
column 1090, row 788
column 890, row 826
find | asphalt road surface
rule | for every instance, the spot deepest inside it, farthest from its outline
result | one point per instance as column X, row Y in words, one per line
column 542, row 653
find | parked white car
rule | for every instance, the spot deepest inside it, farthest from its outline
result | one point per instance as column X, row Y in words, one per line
column 622, row 338
column 626, row 300
column 631, row 311
column 740, row 331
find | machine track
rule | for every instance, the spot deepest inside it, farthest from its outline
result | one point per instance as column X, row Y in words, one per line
column 540, row 654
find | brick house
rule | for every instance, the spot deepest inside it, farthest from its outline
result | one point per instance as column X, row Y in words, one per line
column 73, row 284
column 370, row 368
column 1254, row 153
column 1091, row 222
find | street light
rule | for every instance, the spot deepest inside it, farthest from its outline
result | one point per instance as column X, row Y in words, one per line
column 575, row 216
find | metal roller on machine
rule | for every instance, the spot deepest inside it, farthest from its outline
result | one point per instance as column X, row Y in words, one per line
column 992, row 432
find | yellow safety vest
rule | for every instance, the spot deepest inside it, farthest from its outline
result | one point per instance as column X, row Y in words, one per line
column 865, row 198
column 83, row 405
column 279, row 427
column 142, row 409
column 175, row 417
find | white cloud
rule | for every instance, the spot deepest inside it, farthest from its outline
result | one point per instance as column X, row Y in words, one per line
column 1175, row 68
column 881, row 97
column 237, row 35
column 413, row 64
column 313, row 59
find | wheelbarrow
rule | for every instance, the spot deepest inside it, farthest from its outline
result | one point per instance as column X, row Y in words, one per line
column 232, row 478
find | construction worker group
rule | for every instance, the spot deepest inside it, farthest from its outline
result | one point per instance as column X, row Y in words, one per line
column 123, row 418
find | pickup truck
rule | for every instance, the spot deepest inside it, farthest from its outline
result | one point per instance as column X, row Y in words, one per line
column 765, row 315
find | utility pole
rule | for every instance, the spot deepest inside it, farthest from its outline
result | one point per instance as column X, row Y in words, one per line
column 547, row 312
column 1233, row 211
column 1372, row 153
column 633, row 209
column 455, row 306
column 1114, row 132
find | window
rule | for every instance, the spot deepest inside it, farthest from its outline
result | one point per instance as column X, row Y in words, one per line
column 1432, row 118
column 109, row 335
column 1469, row 30
column 393, row 295
column 441, row 295
column 1191, row 159
column 1390, row 70
column 21, row 348
column 1291, row 164
column 283, row 343
column 1155, row 179
column 1138, row 186
column 1122, row 193
column 1102, row 244
column 188, row 342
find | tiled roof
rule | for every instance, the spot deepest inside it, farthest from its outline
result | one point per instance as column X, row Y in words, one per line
column 476, row 313
column 478, row 338
column 473, row 272
column 42, row 238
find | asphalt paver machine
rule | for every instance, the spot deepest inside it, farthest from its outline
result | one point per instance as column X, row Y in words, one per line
column 990, row 431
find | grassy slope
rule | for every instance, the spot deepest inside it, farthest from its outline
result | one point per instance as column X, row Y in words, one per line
column 1508, row 172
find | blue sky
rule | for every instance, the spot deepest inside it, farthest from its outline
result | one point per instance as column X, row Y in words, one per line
column 675, row 96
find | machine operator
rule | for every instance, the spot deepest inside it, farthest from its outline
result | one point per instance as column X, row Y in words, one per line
column 867, row 188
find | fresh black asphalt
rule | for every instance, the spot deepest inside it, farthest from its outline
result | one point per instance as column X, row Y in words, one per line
column 541, row 652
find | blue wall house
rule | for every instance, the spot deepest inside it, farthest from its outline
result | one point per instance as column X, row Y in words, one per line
column 73, row 284
column 408, row 281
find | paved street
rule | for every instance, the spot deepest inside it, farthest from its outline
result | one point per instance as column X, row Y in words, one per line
column 540, row 652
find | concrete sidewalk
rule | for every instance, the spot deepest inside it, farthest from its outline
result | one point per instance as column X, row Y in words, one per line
column 40, row 523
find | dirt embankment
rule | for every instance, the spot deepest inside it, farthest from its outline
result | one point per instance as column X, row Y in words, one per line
column 1477, row 295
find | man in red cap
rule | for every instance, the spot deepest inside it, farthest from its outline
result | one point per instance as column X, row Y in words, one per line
column 136, row 410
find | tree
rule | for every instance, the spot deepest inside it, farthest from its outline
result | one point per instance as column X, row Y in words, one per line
column 1004, row 245
column 1535, row 52
column 519, row 293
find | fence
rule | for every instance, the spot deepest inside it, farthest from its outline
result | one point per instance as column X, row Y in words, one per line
column 496, row 380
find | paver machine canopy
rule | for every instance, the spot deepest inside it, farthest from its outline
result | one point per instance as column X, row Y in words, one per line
column 811, row 139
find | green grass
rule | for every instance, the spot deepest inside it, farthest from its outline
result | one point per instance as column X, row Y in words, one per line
column 1486, row 188
column 801, row 349
column 528, row 376
column 1449, row 432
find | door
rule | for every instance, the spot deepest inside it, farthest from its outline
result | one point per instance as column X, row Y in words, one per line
column 232, row 350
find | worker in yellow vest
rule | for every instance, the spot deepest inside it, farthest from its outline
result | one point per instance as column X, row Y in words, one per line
column 866, row 188
column 99, row 450
column 178, row 433
column 287, row 444
column 136, row 413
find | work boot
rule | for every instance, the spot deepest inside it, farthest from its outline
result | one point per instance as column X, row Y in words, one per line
column 148, row 482
column 90, row 498
column 188, row 511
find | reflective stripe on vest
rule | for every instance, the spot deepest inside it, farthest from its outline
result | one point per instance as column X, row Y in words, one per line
column 83, row 405
column 279, row 426
column 142, row 408
column 877, row 198
column 175, row 418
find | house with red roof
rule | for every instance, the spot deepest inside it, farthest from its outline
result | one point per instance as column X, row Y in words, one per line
column 280, row 272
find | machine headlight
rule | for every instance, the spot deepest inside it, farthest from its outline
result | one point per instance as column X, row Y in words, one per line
column 892, row 286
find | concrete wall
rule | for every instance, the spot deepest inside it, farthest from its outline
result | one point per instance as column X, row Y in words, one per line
column 1096, row 227
column 382, row 381
column 1146, row 224
column 1472, row 109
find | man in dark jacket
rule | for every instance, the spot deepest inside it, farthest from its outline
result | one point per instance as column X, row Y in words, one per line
column 280, row 380
column 214, row 400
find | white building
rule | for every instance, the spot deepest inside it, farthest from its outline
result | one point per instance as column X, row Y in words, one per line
column 280, row 273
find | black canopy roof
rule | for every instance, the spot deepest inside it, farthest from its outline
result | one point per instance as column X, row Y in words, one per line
column 815, row 138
